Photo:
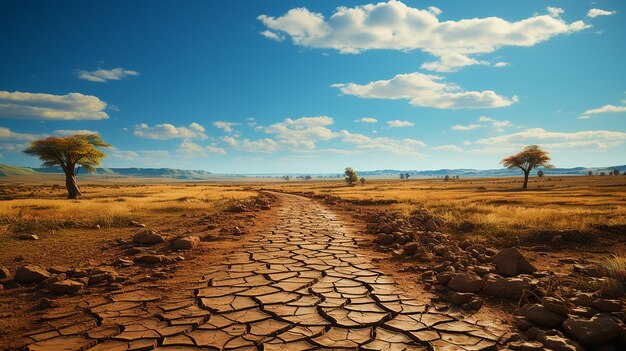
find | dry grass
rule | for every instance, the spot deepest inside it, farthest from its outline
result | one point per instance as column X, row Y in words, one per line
column 43, row 208
column 496, row 206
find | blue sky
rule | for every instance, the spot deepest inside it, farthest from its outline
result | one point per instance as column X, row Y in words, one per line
column 305, row 86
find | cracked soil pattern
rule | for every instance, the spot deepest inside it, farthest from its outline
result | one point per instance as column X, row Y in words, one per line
column 298, row 286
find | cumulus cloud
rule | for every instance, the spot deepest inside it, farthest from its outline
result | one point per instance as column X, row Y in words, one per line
column 501, row 64
column 396, row 26
column 604, row 109
column 8, row 134
column 272, row 35
column 266, row 145
column 302, row 132
column 67, row 132
column 73, row 106
column 446, row 148
column 594, row 139
column 466, row 127
column 366, row 120
column 168, row 131
column 427, row 91
column 104, row 75
column 395, row 146
column 226, row 126
column 396, row 123
column 498, row 125
column 598, row 12
column 190, row 149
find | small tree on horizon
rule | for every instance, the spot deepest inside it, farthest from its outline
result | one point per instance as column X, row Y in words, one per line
column 540, row 173
column 351, row 176
column 401, row 175
column 362, row 180
column 407, row 176
column 530, row 158
column 589, row 173
column 616, row 171
column 80, row 150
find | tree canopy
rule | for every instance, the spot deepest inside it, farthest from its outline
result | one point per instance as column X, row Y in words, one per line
column 528, row 159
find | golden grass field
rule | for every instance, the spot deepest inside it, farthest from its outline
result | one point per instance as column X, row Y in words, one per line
column 104, row 213
column 495, row 206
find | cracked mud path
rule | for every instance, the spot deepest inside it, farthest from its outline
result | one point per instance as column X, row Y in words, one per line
column 298, row 286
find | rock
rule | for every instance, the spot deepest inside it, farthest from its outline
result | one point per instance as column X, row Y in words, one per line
column 444, row 277
column 410, row 248
column 64, row 287
column 28, row 237
column 466, row 282
column 475, row 303
column 58, row 269
column 481, row 270
column 439, row 249
column 98, row 279
column 137, row 224
column 78, row 273
column 523, row 324
column 148, row 238
column 458, row 298
column 559, row 343
column 4, row 273
column 150, row 259
column 541, row 315
column 512, row 262
column 607, row 305
column 584, row 311
column 599, row 329
column 526, row 346
column 511, row 287
column 31, row 274
column 186, row 243
column 555, row 305
column 584, row 299
column 384, row 239
column 122, row 262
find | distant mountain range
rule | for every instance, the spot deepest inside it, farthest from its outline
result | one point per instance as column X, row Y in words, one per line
column 172, row 173
column 501, row 172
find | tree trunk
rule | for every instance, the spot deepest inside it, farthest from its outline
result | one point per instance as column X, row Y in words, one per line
column 72, row 187
column 525, row 186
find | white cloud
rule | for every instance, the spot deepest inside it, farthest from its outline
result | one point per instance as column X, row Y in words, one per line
column 104, row 75
column 396, row 26
column 427, row 91
column 169, row 131
column 73, row 106
column 272, row 35
column 501, row 64
column 303, row 132
column 595, row 139
column 603, row 109
column 555, row 11
column 467, row 142
column 366, row 120
column 395, row 146
column 190, row 149
column 399, row 124
column 498, row 125
column 598, row 12
column 447, row 148
column 465, row 128
column 6, row 133
column 67, row 132
column 226, row 126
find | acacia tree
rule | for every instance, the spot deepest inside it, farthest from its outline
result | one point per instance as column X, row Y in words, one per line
column 530, row 158
column 80, row 150
column 351, row 176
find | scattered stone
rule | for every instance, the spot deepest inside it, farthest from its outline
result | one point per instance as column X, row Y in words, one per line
column 98, row 279
column 510, row 287
column 186, row 243
column 541, row 315
column 78, row 273
column 28, row 237
column 584, row 299
column 64, row 287
column 150, row 259
column 384, row 239
column 599, row 329
column 122, row 262
column 475, row 303
column 58, row 270
column 4, row 273
column 31, row 274
column 555, row 305
column 466, row 282
column 444, row 277
column 606, row 305
column 137, row 224
column 512, row 262
column 559, row 343
column 458, row 298
column 410, row 248
column 440, row 249
column 148, row 238
column 526, row 346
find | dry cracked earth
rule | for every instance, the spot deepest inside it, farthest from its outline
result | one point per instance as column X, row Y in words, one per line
column 300, row 285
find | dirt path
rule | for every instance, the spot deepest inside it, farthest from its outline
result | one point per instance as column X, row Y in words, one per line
column 297, row 286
